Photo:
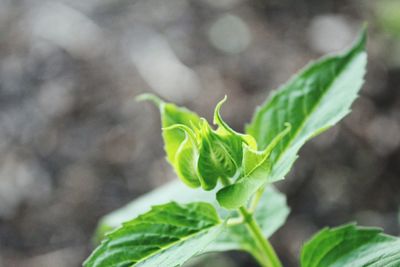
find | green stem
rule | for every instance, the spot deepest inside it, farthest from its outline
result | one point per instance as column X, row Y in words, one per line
column 265, row 254
column 271, row 259
column 256, row 199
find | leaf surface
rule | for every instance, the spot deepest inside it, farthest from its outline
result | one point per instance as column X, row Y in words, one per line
column 186, row 157
column 172, row 115
column 256, row 168
column 221, row 150
column 312, row 101
column 167, row 235
column 220, row 155
column 271, row 213
column 351, row 245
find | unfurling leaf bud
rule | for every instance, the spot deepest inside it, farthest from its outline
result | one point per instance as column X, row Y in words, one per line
column 199, row 154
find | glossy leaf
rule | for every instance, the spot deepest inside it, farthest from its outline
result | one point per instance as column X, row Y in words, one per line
column 312, row 101
column 256, row 168
column 172, row 191
column 221, row 150
column 224, row 129
column 167, row 235
column 171, row 115
column 220, row 155
column 186, row 157
column 199, row 154
column 176, row 139
column 351, row 245
column 271, row 214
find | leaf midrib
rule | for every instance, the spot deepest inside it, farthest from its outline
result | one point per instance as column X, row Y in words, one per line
column 301, row 127
column 338, row 243
column 163, row 248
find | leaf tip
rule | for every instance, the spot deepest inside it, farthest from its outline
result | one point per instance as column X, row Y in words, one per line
column 363, row 34
column 218, row 108
column 149, row 97
column 361, row 42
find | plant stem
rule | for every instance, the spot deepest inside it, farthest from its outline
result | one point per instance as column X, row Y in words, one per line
column 267, row 256
column 256, row 199
column 271, row 259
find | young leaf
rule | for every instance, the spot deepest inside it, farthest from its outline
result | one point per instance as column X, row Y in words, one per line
column 168, row 235
column 199, row 154
column 256, row 168
column 271, row 213
column 350, row 245
column 220, row 156
column 224, row 129
column 186, row 157
column 177, row 123
column 312, row 101
column 171, row 115
column 221, row 151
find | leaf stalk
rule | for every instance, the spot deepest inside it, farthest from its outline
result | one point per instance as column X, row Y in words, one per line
column 268, row 257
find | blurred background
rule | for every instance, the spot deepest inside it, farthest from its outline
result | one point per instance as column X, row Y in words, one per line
column 74, row 145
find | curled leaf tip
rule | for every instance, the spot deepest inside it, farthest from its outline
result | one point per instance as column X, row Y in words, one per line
column 217, row 109
column 171, row 127
column 149, row 97
column 181, row 127
column 176, row 126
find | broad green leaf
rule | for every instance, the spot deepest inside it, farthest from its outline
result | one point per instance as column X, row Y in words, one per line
column 172, row 191
column 256, row 168
column 312, row 101
column 171, row 115
column 168, row 235
column 271, row 213
column 351, row 245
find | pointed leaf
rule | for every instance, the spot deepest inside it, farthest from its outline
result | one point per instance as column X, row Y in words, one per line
column 312, row 101
column 220, row 156
column 221, row 151
column 224, row 129
column 271, row 213
column 186, row 157
column 171, row 115
column 168, row 235
column 351, row 245
column 256, row 169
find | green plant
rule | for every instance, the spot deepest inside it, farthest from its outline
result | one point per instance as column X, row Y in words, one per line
column 230, row 203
